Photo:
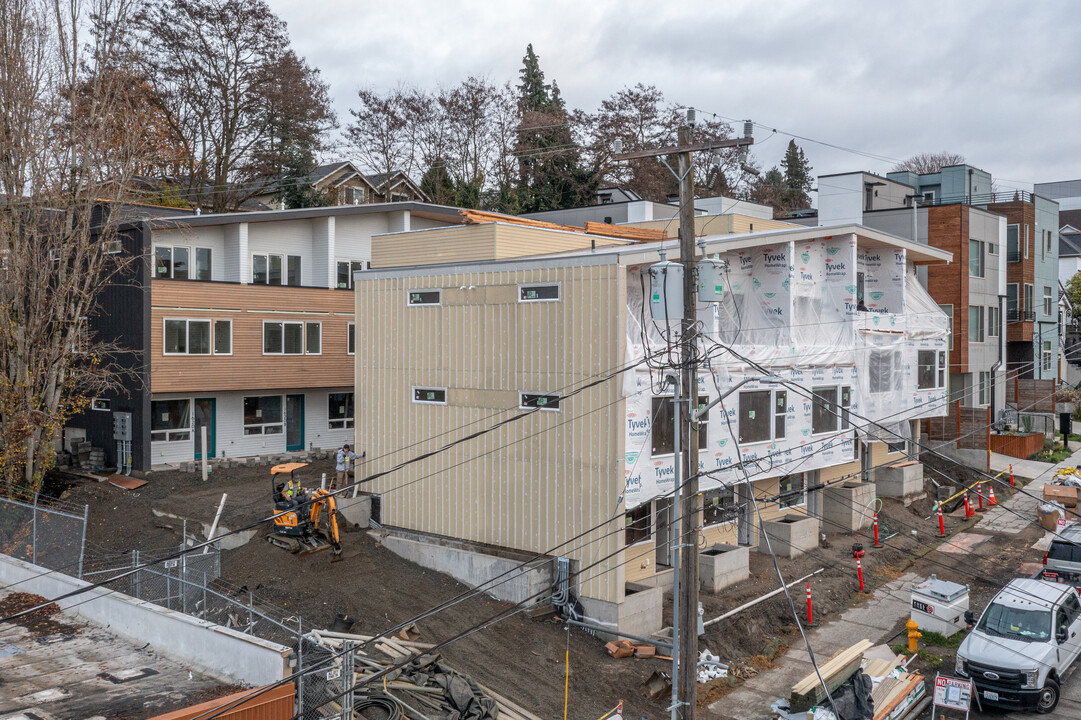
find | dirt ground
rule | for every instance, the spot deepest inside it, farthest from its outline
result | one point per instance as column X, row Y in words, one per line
column 523, row 658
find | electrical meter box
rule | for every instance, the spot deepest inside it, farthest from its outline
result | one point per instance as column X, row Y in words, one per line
column 711, row 280
column 122, row 426
column 939, row 605
column 666, row 290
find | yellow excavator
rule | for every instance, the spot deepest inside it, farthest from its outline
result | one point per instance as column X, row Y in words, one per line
column 299, row 513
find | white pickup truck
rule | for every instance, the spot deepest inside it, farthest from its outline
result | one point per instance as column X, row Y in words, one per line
column 1024, row 645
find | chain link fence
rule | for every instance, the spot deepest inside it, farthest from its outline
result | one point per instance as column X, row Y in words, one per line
column 42, row 530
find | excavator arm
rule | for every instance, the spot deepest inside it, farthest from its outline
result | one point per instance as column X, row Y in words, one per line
column 324, row 501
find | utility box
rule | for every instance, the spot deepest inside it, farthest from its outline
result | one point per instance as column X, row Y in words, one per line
column 666, row 290
column 939, row 605
column 711, row 277
column 122, row 426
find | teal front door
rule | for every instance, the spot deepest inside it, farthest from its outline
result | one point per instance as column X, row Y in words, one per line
column 294, row 422
column 204, row 417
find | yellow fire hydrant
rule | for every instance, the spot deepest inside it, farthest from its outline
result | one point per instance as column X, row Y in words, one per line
column 914, row 634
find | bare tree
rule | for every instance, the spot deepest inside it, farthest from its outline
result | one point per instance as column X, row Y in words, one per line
column 58, row 248
column 924, row 163
column 377, row 134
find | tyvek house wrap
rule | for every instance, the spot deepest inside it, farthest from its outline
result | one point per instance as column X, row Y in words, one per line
column 791, row 307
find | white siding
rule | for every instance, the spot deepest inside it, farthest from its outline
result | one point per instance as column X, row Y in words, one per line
column 211, row 237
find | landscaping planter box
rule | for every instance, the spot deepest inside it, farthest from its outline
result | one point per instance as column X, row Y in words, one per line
column 790, row 536
column 903, row 479
column 848, row 507
column 1018, row 445
column 723, row 565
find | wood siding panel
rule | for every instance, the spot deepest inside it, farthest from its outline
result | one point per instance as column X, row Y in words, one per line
column 533, row 483
column 248, row 306
column 947, row 229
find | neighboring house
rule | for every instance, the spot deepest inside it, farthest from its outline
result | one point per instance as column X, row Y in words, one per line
column 243, row 323
column 970, row 290
column 1069, row 255
column 463, row 346
column 617, row 206
column 345, row 184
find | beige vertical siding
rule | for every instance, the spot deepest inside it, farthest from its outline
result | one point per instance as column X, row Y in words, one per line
column 534, row 483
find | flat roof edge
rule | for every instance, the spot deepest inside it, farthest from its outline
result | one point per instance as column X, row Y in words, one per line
column 502, row 264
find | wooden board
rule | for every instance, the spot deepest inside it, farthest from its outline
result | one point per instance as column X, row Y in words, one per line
column 809, row 692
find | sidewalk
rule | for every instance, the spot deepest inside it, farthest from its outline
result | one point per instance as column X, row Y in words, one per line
column 1020, row 510
column 871, row 620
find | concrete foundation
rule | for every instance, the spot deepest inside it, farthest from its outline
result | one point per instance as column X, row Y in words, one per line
column 849, row 506
column 662, row 579
column 901, row 480
column 723, row 565
column 356, row 511
column 639, row 614
column 473, row 565
column 789, row 536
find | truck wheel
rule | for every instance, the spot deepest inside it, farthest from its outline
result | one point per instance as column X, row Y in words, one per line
column 1048, row 697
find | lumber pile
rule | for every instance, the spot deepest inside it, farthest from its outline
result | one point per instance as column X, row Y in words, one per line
column 478, row 217
column 809, row 692
column 424, row 688
column 624, row 233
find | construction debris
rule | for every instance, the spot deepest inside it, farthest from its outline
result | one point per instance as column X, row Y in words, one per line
column 422, row 689
column 625, row 649
column 710, row 667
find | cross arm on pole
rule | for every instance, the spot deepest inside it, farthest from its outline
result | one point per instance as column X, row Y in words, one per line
column 692, row 147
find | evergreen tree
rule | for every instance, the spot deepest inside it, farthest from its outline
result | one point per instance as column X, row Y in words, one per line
column 532, row 92
column 438, row 184
column 797, row 176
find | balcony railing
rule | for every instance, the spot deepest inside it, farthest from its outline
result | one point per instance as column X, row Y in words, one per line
column 1013, row 256
column 1016, row 315
column 982, row 198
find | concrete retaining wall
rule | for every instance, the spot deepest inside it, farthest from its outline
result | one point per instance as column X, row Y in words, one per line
column 789, row 536
column 723, row 565
column 638, row 614
column 222, row 653
column 900, row 480
column 849, row 506
column 474, row 567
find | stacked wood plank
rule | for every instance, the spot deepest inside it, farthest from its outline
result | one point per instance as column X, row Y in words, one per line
column 625, row 233
column 809, row 692
column 892, row 697
column 477, row 217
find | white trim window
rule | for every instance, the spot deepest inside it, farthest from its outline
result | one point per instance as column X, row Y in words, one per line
column 101, row 404
column 994, row 321
column 930, row 369
column 984, row 388
column 283, row 338
column 172, row 262
column 340, row 410
column 1046, row 356
column 223, row 337
column 662, row 431
column 170, row 420
column 763, row 415
column 263, row 415
column 1047, row 302
column 346, row 268
column 351, row 339
column 976, row 264
column 182, row 336
column 975, row 323
column 792, row 489
column 313, row 338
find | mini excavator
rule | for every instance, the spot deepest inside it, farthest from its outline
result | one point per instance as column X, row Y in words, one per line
column 299, row 514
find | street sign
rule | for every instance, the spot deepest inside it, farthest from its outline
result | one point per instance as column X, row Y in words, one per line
column 953, row 693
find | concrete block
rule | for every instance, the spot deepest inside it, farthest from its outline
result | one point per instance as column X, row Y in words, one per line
column 723, row 565
column 901, row 480
column 638, row 614
column 849, row 506
column 789, row 536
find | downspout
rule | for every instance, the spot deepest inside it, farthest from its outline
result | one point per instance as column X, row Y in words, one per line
column 1001, row 355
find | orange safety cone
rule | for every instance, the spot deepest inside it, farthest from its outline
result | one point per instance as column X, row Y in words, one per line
column 968, row 508
column 1011, row 476
column 979, row 496
column 992, row 497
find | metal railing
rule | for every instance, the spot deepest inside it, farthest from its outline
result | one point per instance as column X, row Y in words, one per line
column 42, row 530
column 1016, row 315
column 991, row 198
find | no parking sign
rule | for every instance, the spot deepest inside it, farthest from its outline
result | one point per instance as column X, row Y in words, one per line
column 953, row 693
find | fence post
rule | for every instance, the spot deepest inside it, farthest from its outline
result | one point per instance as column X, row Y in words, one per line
column 34, row 539
column 300, row 677
column 251, row 623
column 136, row 583
column 958, row 423
column 347, row 680
column 206, row 610
column 82, row 541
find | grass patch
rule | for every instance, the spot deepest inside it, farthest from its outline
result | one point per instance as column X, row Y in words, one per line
column 1052, row 452
column 933, row 660
column 952, row 642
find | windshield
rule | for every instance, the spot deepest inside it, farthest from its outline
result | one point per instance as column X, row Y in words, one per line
column 1015, row 623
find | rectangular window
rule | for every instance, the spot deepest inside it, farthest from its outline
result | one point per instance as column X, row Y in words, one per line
column 942, row 369
column 528, row 401
column 313, row 338
column 1026, row 240
column 1046, row 355
column 538, row 293
column 661, row 430
column 846, row 404
column 975, row 258
column 102, row 404
column 424, row 297
column 202, row 264
column 926, row 370
column 1030, row 301
column 112, row 247
column 756, row 416
column 1011, row 302
column 992, row 248
column 719, row 506
column 351, row 340
column 1047, row 241
column 263, row 415
column 824, row 413
column 293, row 267
column 266, row 269
column 639, row 528
column 898, row 446
column 780, row 413
column 1013, row 252
column 283, row 338
column 340, row 411
column 180, row 263
column 984, row 388
column 171, row 262
column 994, row 321
column 274, row 270
column 187, row 337
column 430, row 396
column 793, row 490
column 975, row 323
column 948, row 309
column 346, row 268
column 170, row 420
column 884, row 370
column 258, row 270
column 1047, row 301
column 223, row 337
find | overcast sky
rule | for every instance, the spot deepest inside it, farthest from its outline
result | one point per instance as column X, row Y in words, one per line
column 997, row 82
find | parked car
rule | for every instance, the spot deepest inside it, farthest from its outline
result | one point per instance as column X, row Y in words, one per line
column 1024, row 645
column 1062, row 561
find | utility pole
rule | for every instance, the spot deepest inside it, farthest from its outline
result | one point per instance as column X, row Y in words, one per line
column 684, row 540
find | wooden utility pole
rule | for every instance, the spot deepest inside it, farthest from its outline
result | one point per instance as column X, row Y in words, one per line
column 684, row 541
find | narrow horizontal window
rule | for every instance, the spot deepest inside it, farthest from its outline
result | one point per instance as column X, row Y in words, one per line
column 434, row 396
column 100, row 404
column 528, row 401
column 538, row 293
column 425, row 297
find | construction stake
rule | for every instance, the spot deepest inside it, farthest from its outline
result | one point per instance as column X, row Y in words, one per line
column 877, row 543
column 859, row 571
column 979, row 496
column 810, row 615
column 1011, row 475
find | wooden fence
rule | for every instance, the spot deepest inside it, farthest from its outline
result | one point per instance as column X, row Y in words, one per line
column 969, row 426
column 1028, row 395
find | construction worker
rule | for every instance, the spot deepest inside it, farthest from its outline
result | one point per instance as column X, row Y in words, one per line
column 292, row 490
column 345, row 457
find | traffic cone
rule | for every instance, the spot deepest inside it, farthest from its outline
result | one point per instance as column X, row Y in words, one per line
column 992, row 496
